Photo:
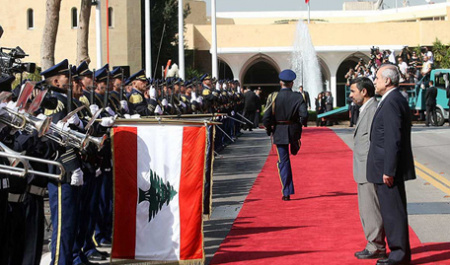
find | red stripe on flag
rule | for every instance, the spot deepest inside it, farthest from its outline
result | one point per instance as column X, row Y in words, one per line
column 191, row 193
column 306, row 1
column 125, row 192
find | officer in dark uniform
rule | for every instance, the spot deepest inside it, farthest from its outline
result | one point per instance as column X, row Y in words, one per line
column 284, row 120
column 208, row 93
column 118, row 102
column 87, row 82
column 137, row 101
column 63, row 195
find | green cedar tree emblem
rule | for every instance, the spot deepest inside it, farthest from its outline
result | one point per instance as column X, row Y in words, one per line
column 160, row 193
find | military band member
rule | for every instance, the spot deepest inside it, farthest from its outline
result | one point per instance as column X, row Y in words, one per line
column 62, row 194
column 87, row 82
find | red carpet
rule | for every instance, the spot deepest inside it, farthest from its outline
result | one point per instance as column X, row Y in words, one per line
column 320, row 225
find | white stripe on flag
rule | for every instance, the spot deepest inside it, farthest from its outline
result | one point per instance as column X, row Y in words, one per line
column 162, row 146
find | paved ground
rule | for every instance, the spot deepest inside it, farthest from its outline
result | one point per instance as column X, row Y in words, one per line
column 236, row 168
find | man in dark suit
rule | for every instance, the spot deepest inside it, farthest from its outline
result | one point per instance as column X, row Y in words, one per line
column 307, row 100
column 250, row 107
column 284, row 120
column 390, row 162
column 430, row 101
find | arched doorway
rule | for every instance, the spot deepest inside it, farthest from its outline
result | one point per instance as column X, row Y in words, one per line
column 262, row 73
column 225, row 71
column 349, row 62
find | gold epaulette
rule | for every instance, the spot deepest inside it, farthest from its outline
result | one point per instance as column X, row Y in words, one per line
column 206, row 92
column 135, row 99
column 59, row 108
column 83, row 99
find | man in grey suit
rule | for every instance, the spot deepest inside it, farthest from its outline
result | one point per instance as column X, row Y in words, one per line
column 362, row 93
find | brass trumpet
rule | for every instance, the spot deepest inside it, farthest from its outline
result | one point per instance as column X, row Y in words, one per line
column 25, row 122
column 68, row 137
column 16, row 158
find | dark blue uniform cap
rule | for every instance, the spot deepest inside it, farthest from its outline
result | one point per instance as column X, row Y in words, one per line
column 287, row 75
column 83, row 69
column 205, row 77
column 5, row 82
column 59, row 69
column 127, row 82
column 74, row 73
column 116, row 73
column 140, row 75
column 101, row 75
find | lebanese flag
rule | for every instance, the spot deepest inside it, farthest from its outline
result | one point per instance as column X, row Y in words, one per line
column 158, row 189
column 306, row 1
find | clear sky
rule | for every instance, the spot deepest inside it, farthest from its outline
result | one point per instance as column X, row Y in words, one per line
column 291, row 5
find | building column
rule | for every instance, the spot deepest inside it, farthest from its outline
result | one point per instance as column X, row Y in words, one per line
column 333, row 81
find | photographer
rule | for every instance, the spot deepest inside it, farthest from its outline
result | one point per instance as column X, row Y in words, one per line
column 360, row 65
column 403, row 67
column 405, row 54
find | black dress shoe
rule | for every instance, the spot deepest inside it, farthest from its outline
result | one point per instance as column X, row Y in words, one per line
column 96, row 256
column 365, row 254
column 286, row 198
column 391, row 262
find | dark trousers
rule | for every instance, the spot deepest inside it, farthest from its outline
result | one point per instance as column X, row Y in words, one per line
column 34, row 231
column 3, row 223
column 395, row 219
column 16, row 233
column 84, row 215
column 63, row 200
column 250, row 116
column 431, row 111
column 103, row 229
column 89, row 245
column 284, row 169
column 354, row 115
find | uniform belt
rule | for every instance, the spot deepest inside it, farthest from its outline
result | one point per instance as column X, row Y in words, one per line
column 36, row 190
column 284, row 122
column 4, row 183
column 13, row 197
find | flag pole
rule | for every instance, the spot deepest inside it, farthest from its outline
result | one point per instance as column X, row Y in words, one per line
column 309, row 13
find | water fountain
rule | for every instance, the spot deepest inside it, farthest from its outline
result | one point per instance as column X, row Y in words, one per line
column 305, row 63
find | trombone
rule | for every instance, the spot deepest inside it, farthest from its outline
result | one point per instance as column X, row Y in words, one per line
column 16, row 158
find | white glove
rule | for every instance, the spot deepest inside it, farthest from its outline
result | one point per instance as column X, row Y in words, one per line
column 152, row 93
column 2, row 105
column 200, row 100
column 158, row 110
column 94, row 108
column 233, row 113
column 41, row 116
column 98, row 172
column 164, row 102
column 12, row 105
column 127, row 116
column 183, row 104
column 77, row 177
column 64, row 126
column 239, row 89
column 124, row 105
column 193, row 96
column 110, row 111
column 135, row 116
column 75, row 120
column 107, row 121
column 224, row 86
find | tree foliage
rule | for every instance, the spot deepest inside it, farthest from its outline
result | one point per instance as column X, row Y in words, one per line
column 164, row 12
column 441, row 53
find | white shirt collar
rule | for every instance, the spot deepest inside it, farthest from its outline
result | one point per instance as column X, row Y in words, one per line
column 363, row 107
column 385, row 95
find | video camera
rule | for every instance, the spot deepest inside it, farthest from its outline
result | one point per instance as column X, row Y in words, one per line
column 10, row 61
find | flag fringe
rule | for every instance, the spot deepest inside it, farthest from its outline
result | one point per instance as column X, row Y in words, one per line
column 180, row 262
